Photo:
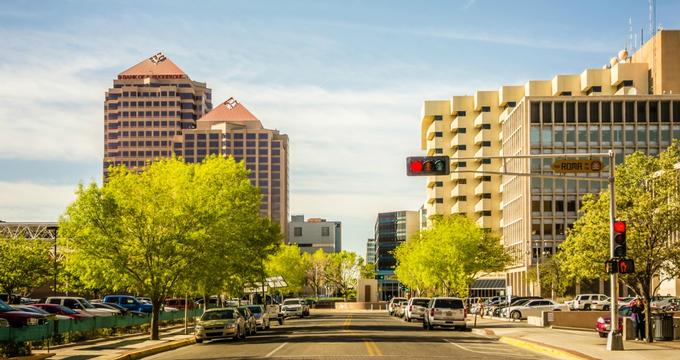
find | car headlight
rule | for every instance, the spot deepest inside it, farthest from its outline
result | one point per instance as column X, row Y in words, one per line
column 231, row 325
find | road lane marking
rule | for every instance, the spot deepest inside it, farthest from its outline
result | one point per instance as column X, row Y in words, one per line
column 372, row 348
column 275, row 350
column 504, row 353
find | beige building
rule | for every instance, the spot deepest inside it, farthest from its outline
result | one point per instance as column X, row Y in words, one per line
column 230, row 129
column 629, row 105
column 147, row 106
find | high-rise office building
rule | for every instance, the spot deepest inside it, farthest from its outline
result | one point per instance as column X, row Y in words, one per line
column 315, row 234
column 147, row 106
column 370, row 251
column 230, row 129
column 391, row 229
column 631, row 104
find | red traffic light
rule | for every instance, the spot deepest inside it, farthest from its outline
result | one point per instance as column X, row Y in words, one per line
column 416, row 166
column 626, row 266
column 619, row 226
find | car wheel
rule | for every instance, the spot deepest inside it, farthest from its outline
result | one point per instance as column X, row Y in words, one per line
column 603, row 334
column 280, row 321
column 586, row 307
column 424, row 325
column 430, row 327
column 516, row 315
column 408, row 319
column 199, row 340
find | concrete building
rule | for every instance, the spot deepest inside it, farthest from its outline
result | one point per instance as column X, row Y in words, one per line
column 391, row 229
column 629, row 105
column 370, row 251
column 315, row 234
column 147, row 106
column 231, row 130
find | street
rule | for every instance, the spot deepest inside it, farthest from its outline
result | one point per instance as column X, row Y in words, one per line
column 334, row 334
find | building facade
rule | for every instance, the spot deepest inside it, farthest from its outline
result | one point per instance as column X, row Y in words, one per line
column 370, row 251
column 314, row 234
column 148, row 105
column 231, row 130
column 627, row 106
column 391, row 229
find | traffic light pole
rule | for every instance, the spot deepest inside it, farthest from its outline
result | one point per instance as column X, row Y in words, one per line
column 615, row 338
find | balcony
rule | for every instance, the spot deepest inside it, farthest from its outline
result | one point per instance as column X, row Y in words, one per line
column 456, row 123
column 483, row 205
column 483, row 118
column 485, row 187
column 458, row 139
column 457, row 191
column 486, row 222
column 486, row 151
column 459, row 207
column 435, row 126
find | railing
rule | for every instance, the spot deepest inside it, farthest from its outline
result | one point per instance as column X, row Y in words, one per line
column 89, row 325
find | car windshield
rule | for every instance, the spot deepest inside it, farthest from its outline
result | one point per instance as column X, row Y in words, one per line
column 4, row 307
column 218, row 315
column 86, row 303
column 448, row 304
column 243, row 311
column 421, row 302
column 291, row 302
column 255, row 309
column 521, row 302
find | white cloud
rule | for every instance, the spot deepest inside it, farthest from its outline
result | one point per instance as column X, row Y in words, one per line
column 25, row 201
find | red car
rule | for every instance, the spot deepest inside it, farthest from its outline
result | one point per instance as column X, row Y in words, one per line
column 17, row 318
column 63, row 310
column 603, row 325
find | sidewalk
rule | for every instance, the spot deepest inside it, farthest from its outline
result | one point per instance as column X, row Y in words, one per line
column 116, row 347
column 573, row 344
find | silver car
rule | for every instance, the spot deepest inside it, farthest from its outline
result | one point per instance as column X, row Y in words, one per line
column 445, row 312
column 220, row 323
column 251, row 322
column 261, row 316
column 415, row 309
column 294, row 307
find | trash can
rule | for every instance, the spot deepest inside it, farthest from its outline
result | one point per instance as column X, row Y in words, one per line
column 663, row 327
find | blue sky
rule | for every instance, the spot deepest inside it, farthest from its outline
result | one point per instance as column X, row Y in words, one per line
column 345, row 80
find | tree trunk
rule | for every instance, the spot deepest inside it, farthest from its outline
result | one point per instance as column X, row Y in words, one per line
column 648, row 321
column 155, row 318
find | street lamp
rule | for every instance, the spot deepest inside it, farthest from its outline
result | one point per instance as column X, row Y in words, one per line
column 53, row 230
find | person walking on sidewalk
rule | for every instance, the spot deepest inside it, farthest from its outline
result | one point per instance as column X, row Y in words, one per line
column 637, row 314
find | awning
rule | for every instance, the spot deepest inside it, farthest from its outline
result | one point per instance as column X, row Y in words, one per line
column 488, row 284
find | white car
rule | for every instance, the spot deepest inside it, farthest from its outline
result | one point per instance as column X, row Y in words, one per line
column 394, row 304
column 585, row 301
column 294, row 307
column 415, row 309
column 533, row 307
column 445, row 312
column 80, row 304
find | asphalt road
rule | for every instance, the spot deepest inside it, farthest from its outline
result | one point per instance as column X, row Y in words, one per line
column 330, row 335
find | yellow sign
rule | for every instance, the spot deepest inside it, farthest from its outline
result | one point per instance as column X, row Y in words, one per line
column 577, row 166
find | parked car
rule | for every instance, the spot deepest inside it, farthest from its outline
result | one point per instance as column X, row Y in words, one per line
column 129, row 302
column 178, row 303
column 415, row 308
column 18, row 318
column 63, row 310
column 394, row 302
column 220, row 323
column 249, row 317
column 399, row 310
column 533, row 307
column 603, row 324
column 213, row 302
column 666, row 304
column 295, row 307
column 80, row 304
column 445, row 312
column 585, row 301
column 37, row 310
column 261, row 316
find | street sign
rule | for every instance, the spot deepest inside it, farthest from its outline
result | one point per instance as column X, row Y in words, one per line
column 577, row 166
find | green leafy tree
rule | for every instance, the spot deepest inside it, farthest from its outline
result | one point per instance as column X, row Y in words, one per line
column 291, row 264
column 153, row 231
column 367, row 270
column 24, row 264
column 646, row 198
column 342, row 272
column 446, row 258
column 316, row 272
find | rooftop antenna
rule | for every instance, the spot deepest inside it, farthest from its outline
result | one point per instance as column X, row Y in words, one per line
column 652, row 18
column 629, row 46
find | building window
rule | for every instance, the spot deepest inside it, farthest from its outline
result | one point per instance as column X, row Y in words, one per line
column 486, row 126
column 439, row 200
column 462, row 130
column 462, row 164
column 297, row 231
column 438, row 118
column 439, row 184
column 486, row 143
column 486, row 161
column 438, row 151
column 462, row 198
column 512, row 104
column 486, row 196
column 325, row 231
column 460, row 113
column 462, row 147
column 486, row 108
column 486, row 213
column 438, row 134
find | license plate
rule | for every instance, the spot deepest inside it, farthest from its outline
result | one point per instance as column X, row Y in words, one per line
column 448, row 313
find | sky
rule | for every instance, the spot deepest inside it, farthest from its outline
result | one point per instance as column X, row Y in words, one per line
column 345, row 80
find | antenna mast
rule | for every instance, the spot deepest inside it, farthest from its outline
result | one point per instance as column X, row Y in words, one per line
column 652, row 18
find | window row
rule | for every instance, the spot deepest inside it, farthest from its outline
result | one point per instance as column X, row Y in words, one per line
column 593, row 135
column 604, row 111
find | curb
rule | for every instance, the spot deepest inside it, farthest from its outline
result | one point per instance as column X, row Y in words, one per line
column 545, row 349
column 141, row 353
column 113, row 338
column 483, row 332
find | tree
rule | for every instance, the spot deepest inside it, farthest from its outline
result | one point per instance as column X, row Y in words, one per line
column 448, row 257
column 291, row 264
column 342, row 271
column 153, row 231
column 551, row 276
column 24, row 264
column 646, row 199
column 367, row 270
column 316, row 272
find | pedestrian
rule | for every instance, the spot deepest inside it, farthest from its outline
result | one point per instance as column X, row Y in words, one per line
column 481, row 308
column 637, row 315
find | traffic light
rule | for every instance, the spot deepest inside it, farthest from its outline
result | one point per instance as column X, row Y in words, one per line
column 626, row 266
column 619, row 239
column 611, row 266
column 427, row 165
column 380, row 277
